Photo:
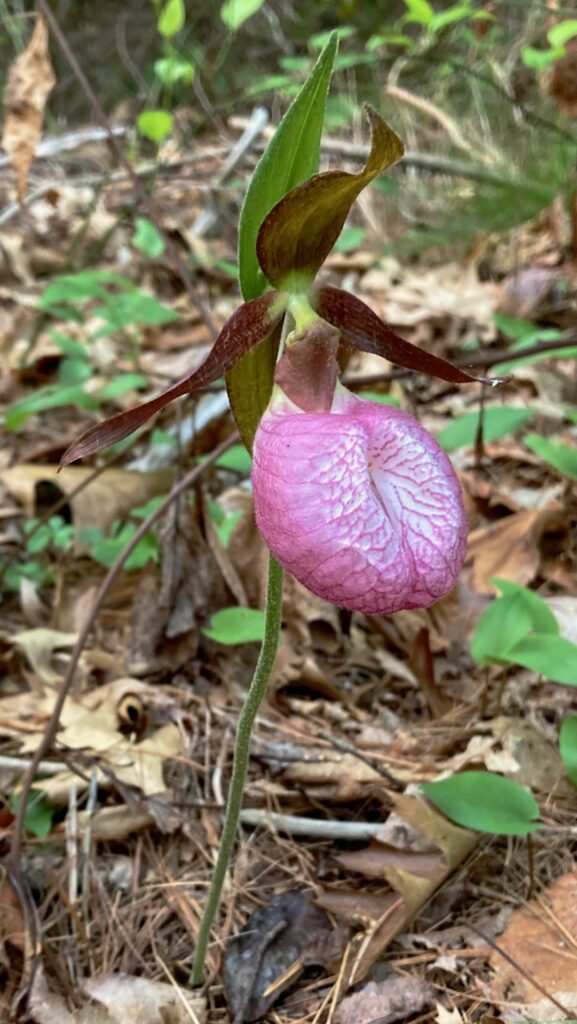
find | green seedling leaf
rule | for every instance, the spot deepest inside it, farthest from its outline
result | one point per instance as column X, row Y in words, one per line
column 223, row 522
column 105, row 550
column 38, row 815
column 137, row 307
column 507, row 621
column 553, row 657
column 360, row 327
column 120, row 385
column 253, row 324
column 539, row 60
column 562, row 33
column 237, row 459
column 155, row 125
column 148, row 239
column 419, row 11
column 236, row 626
column 349, row 238
column 561, row 456
column 485, row 802
column 300, row 231
column 51, row 397
column 568, row 747
column 234, row 13
column 171, row 18
column 171, row 70
column 75, row 288
column 497, row 422
column 291, row 156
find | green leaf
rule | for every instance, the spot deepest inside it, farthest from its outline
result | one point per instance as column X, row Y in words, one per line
column 568, row 746
column 223, row 522
column 132, row 308
column 291, row 156
column 562, row 32
column 51, row 397
column 171, row 18
column 236, row 626
column 155, row 125
column 551, row 656
column 235, row 12
column 171, row 70
column 147, row 238
column 497, row 422
column 376, row 396
column 121, row 384
column 561, row 456
column 237, row 459
column 349, row 238
column 485, row 802
column 38, row 815
column 419, row 11
column 539, row 60
column 299, row 232
column 507, row 620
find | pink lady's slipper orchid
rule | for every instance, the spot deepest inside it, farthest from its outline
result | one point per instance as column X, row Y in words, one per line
column 354, row 498
column 359, row 503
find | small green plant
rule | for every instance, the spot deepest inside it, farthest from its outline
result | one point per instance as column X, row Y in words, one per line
column 236, row 626
column 106, row 549
column 171, row 69
column 561, row 456
column 39, row 814
column 518, row 628
column 40, row 538
column 115, row 305
column 557, row 36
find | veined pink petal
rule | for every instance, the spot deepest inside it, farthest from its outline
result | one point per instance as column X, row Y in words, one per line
column 360, row 504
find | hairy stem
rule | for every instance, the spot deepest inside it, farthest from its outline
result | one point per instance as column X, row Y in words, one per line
column 241, row 754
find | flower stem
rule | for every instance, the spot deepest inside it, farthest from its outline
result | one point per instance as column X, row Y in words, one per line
column 246, row 720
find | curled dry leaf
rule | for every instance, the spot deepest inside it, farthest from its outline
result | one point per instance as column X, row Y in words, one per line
column 30, row 81
column 396, row 998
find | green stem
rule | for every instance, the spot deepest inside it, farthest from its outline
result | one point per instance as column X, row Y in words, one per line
column 246, row 720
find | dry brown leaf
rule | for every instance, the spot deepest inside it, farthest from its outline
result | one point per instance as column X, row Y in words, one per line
column 30, row 81
column 445, row 1016
column 542, row 939
column 396, row 998
column 418, row 850
column 39, row 646
column 509, row 548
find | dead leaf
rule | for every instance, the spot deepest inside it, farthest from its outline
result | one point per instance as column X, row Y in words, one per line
column 542, row 939
column 385, row 1001
column 509, row 548
column 417, row 850
column 276, row 943
column 39, row 645
column 117, row 999
column 30, row 81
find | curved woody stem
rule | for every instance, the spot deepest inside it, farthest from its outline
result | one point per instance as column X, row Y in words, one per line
column 246, row 721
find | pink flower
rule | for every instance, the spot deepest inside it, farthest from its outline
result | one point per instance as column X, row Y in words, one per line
column 360, row 503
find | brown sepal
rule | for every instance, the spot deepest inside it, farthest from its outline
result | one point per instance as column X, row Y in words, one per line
column 248, row 326
column 361, row 327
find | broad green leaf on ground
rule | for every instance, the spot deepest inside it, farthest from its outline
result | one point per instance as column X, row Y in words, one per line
column 497, row 422
column 553, row 657
column 568, row 746
column 236, row 459
column 291, row 156
column 236, row 626
column 155, row 125
column 561, row 456
column 507, row 620
column 485, row 802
